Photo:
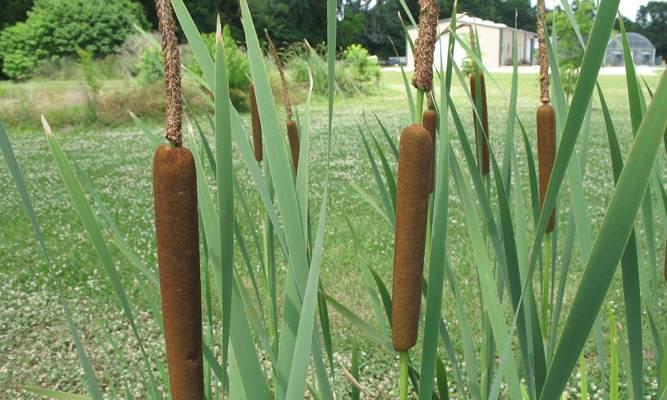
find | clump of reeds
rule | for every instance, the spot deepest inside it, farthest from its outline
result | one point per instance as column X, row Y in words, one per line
column 256, row 125
column 177, row 232
column 414, row 163
column 292, row 128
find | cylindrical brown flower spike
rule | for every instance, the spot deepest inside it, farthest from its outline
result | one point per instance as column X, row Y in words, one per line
column 294, row 144
column 484, row 164
column 429, row 121
column 176, row 222
column 546, row 152
column 414, row 163
column 425, row 45
column 256, row 125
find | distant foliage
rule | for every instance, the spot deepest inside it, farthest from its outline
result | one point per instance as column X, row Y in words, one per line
column 357, row 72
column 150, row 68
column 236, row 61
column 570, row 52
column 364, row 66
column 56, row 28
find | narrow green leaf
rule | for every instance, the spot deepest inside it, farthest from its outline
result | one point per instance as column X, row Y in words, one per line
column 610, row 244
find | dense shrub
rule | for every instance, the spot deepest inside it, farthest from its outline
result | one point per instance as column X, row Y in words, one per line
column 150, row 65
column 356, row 72
column 365, row 67
column 236, row 61
column 56, row 28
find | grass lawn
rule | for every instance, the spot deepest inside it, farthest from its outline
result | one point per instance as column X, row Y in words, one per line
column 35, row 347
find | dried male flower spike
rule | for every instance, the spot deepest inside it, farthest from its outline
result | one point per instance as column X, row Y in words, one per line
column 429, row 121
column 177, row 234
column 546, row 152
column 484, row 163
column 172, row 71
column 414, row 163
column 294, row 144
column 256, row 125
column 425, row 45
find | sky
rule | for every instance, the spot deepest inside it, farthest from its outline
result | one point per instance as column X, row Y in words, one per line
column 628, row 8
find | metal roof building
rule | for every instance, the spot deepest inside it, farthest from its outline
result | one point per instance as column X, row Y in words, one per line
column 495, row 42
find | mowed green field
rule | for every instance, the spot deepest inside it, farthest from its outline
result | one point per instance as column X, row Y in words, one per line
column 35, row 346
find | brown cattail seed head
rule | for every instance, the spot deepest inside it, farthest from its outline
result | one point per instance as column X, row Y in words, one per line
column 294, row 144
column 256, row 125
column 484, row 163
column 177, row 233
column 546, row 152
column 430, row 121
column 414, row 164
column 425, row 45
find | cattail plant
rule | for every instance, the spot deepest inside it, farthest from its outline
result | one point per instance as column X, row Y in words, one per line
column 546, row 154
column 478, row 93
column 177, row 232
column 292, row 129
column 414, row 163
column 256, row 125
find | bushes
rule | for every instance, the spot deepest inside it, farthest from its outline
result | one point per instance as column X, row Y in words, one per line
column 236, row 60
column 356, row 72
column 56, row 28
column 150, row 66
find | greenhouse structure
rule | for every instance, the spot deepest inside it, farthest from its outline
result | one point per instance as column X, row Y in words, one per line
column 643, row 51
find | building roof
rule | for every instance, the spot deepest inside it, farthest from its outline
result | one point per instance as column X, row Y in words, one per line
column 466, row 19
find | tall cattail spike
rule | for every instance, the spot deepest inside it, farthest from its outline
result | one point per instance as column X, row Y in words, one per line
column 276, row 59
column 485, row 162
column 414, row 163
column 256, row 125
column 294, row 143
column 543, row 56
column 177, row 234
column 546, row 152
column 425, row 45
column 172, row 71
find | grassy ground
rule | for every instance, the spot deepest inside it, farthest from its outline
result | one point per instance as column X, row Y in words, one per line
column 35, row 347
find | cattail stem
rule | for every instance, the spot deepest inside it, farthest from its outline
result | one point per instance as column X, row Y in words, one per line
column 404, row 370
column 419, row 106
column 546, row 284
column 429, row 121
column 414, row 163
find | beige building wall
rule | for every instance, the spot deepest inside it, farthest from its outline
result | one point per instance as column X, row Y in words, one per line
column 495, row 42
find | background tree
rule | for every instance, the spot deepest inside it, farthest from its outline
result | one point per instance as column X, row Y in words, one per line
column 568, row 47
column 651, row 22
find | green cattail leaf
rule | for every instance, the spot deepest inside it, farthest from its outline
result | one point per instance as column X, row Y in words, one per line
column 89, row 373
column 438, row 240
column 225, row 186
column 92, row 227
column 385, row 190
column 241, row 338
column 611, row 241
column 54, row 394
